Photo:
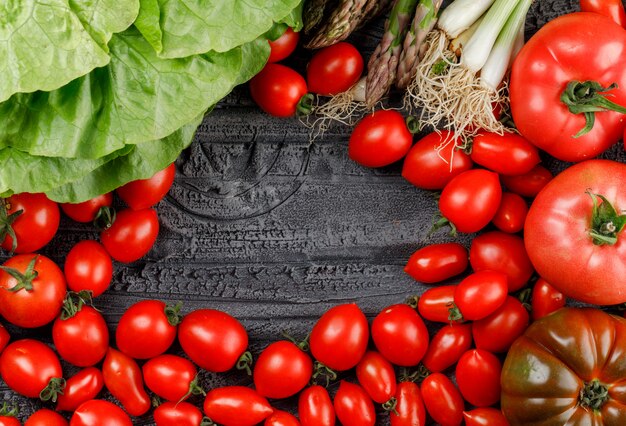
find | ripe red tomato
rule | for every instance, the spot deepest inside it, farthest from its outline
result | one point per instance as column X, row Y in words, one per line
column 132, row 235
column 83, row 339
column 471, row 199
column 334, row 69
column 212, row 339
column 353, row 406
column 80, row 388
column 613, row 9
column 498, row 331
column 480, row 294
column 36, row 298
column 177, row 414
column 4, row 337
column 145, row 193
column 88, row 266
column 435, row 303
column 171, row 377
column 281, row 418
column 443, row 400
column 400, row 335
column 339, row 338
column 511, row 214
column 283, row 46
column 278, row 90
column 478, row 377
column 529, row 184
column 236, row 405
column 315, row 407
column 282, row 370
column 380, row 139
column 122, row 377
column 34, row 227
column 447, row 347
column 485, row 416
column 501, row 252
column 410, row 410
column 99, row 413
column 7, row 417
column 437, row 262
column 87, row 210
column 545, row 299
column 507, row 154
column 45, row 417
column 434, row 161
column 32, row 369
column 377, row 376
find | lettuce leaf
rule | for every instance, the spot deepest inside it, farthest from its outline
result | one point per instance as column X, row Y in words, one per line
column 48, row 43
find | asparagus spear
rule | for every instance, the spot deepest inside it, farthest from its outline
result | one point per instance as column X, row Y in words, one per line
column 423, row 22
column 343, row 20
column 372, row 9
column 314, row 13
column 383, row 65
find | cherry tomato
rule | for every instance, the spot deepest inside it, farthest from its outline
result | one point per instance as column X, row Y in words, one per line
column 214, row 340
column 480, row 294
column 485, row 416
column 400, row 335
column 410, row 410
column 171, row 377
column 88, row 266
column 132, row 235
column 545, row 299
column 377, row 376
column 31, row 369
column 278, row 90
column 339, row 338
column 83, row 339
column 315, row 407
column 447, row 347
column 353, row 406
column 87, row 210
column 511, row 214
column 497, row 332
column 443, row 400
column 437, row 262
column 36, row 298
column 122, row 377
column 7, row 417
column 145, row 193
column 99, row 413
column 45, row 417
column 529, row 184
column 35, row 226
column 501, row 252
column 147, row 329
column 470, row 200
column 283, row 46
column 4, row 338
column 236, row 405
column 433, row 161
column 478, row 377
column 281, row 418
column 282, row 370
column 380, row 139
column 434, row 304
column 334, row 69
column 177, row 414
column 506, row 154
column 81, row 387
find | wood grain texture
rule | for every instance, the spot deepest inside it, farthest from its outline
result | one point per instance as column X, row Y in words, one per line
column 274, row 230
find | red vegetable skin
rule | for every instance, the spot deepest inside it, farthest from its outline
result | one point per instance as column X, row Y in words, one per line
column 37, row 224
column 83, row 339
column 485, row 416
column 353, row 406
column 613, row 9
column 506, row 154
column 545, row 299
column 380, row 139
column 87, row 210
column 447, row 346
column 377, row 376
column 122, row 377
column 315, row 407
column 511, row 214
column 9, row 421
column 177, row 414
column 480, row 294
column 277, row 90
column 400, row 335
column 434, row 303
column 428, row 164
column 478, row 377
column 96, row 412
column 145, row 193
column 282, row 370
column 283, row 46
column 4, row 338
column 236, row 406
column 45, row 417
column 437, row 262
column 443, row 400
column 281, row 418
column 88, row 266
column 498, row 331
column 334, row 69
column 410, row 410
column 171, row 377
column 529, row 184
column 132, row 235
column 80, row 388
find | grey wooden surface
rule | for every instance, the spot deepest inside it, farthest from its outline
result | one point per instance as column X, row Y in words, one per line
column 273, row 230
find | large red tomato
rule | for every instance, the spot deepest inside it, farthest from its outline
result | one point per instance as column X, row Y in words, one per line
column 578, row 248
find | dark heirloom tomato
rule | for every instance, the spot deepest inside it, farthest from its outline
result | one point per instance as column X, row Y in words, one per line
column 507, row 154
column 568, row 368
column 282, row 370
column 447, row 346
column 100, row 413
column 437, row 262
column 315, row 407
column 410, row 410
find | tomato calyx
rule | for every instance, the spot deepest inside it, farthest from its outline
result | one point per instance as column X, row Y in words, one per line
column 51, row 392
column 194, row 389
column 306, row 105
column 454, row 313
column 7, row 410
column 6, row 224
column 390, row 406
column 443, row 222
column 412, row 301
column 207, row 422
column 606, row 223
column 24, row 280
column 172, row 312
column 320, row 370
column 413, row 124
column 104, row 218
column 415, row 376
column 593, row 395
column 245, row 362
column 303, row 345
column 587, row 98
column 74, row 302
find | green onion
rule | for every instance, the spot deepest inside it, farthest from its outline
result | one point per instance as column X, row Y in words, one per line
column 461, row 14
